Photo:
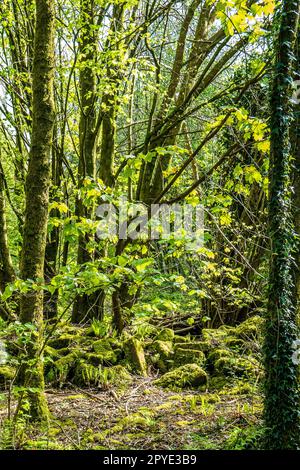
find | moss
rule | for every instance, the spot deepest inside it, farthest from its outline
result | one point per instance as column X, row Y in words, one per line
column 237, row 367
column 65, row 341
column 218, row 382
column 105, row 358
column 87, row 374
column 135, row 356
column 163, row 348
column 196, row 346
column 51, row 352
column 143, row 419
column 181, row 339
column 189, row 375
column 7, row 373
column 188, row 356
column 166, row 335
column 118, row 376
column 214, row 337
column 161, row 353
column 250, row 329
column 43, row 445
column 62, row 369
column 234, row 342
column 243, row 388
column 217, row 354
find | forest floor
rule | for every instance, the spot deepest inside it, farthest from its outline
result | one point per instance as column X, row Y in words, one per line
column 146, row 417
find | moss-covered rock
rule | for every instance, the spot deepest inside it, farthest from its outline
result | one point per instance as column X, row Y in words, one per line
column 135, row 356
column 118, row 376
column 187, row 376
column 188, row 356
column 250, row 329
column 217, row 354
column 7, row 373
column 166, row 335
column 214, row 337
column 86, row 374
column 161, row 354
column 181, row 339
column 163, row 348
column 62, row 370
column 65, row 340
column 237, row 367
column 195, row 346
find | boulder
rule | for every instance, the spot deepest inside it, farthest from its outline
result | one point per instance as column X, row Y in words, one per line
column 187, row 376
column 135, row 356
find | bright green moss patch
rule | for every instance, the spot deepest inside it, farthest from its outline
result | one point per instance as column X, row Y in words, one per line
column 187, row 376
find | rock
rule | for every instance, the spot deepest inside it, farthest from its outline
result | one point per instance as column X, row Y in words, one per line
column 161, row 353
column 135, row 356
column 196, row 346
column 106, row 358
column 217, row 354
column 163, row 348
column 62, row 369
column 181, row 339
column 188, row 356
column 65, row 341
column 215, row 337
column 87, row 374
column 237, row 367
column 250, row 329
column 187, row 376
column 166, row 335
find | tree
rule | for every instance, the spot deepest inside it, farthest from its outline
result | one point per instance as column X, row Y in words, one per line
column 37, row 198
column 281, row 409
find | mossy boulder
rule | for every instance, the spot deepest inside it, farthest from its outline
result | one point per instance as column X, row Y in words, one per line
column 86, row 374
column 188, row 356
column 166, row 335
column 7, row 373
column 237, row 367
column 214, row 337
column 135, row 356
column 103, row 353
column 187, row 376
column 118, row 376
column 181, row 339
column 217, row 354
column 62, row 370
column 250, row 329
column 65, row 340
column 161, row 354
column 195, row 346
column 163, row 348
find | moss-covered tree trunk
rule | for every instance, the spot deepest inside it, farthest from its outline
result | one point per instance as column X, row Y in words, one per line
column 37, row 198
column 86, row 305
column 281, row 409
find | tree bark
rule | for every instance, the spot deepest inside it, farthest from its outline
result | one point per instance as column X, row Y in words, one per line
column 37, row 199
column 281, row 407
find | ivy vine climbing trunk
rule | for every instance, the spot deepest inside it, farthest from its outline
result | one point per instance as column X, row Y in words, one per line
column 281, row 409
column 37, row 198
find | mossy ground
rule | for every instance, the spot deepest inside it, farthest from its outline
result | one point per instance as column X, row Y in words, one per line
column 145, row 416
column 160, row 392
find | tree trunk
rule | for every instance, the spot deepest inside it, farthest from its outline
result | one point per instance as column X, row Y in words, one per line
column 86, row 306
column 37, row 199
column 281, row 407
